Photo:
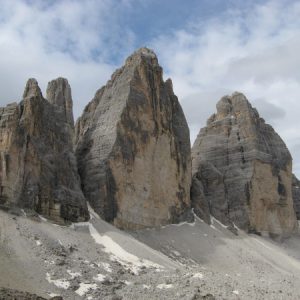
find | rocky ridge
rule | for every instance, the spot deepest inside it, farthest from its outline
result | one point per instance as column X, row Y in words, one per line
column 242, row 171
column 133, row 148
column 38, row 168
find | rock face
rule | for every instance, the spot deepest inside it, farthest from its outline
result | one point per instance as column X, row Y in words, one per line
column 296, row 196
column 59, row 94
column 133, row 148
column 10, row 294
column 242, row 171
column 38, row 168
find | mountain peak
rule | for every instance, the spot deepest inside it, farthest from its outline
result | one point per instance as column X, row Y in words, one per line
column 32, row 89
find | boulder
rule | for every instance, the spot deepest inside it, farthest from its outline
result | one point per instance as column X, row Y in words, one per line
column 133, row 148
column 242, row 171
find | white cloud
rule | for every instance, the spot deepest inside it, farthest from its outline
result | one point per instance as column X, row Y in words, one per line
column 47, row 39
column 255, row 51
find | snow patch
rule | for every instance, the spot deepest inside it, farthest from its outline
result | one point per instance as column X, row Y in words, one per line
column 99, row 277
column 119, row 254
column 145, row 286
column 93, row 214
column 181, row 224
column 85, row 287
column 105, row 266
column 73, row 274
column 52, row 262
column 196, row 217
column 263, row 244
column 176, row 253
column 198, row 275
column 164, row 286
column 60, row 283
column 236, row 292
column 234, row 226
column 38, row 243
column 53, row 295
column 43, row 219
column 214, row 220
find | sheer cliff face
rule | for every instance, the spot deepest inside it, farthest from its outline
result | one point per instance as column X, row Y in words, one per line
column 242, row 171
column 133, row 148
column 38, row 168
column 296, row 196
column 59, row 94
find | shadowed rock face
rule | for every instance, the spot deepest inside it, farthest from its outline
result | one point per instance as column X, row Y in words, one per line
column 38, row 169
column 296, row 196
column 133, row 147
column 242, row 171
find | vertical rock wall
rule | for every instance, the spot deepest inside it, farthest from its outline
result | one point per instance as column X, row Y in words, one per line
column 38, row 166
column 133, row 148
column 296, row 196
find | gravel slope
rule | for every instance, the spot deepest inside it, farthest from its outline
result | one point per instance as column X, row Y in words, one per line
column 94, row 260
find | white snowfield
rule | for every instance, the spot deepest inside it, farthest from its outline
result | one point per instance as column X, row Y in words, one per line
column 119, row 253
column 127, row 259
column 60, row 283
column 85, row 287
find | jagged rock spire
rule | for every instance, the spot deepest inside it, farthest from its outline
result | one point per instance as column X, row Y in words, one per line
column 38, row 169
column 32, row 89
column 59, row 94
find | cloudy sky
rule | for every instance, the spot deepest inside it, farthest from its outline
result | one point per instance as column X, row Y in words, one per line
column 208, row 47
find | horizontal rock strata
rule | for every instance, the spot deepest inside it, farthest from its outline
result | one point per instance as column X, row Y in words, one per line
column 242, row 171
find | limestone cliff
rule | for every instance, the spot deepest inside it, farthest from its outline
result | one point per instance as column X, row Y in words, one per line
column 242, row 171
column 296, row 195
column 59, row 94
column 133, row 147
column 38, row 168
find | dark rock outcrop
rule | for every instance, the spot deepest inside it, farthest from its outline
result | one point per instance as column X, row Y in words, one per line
column 242, row 171
column 11, row 294
column 133, row 147
column 296, row 195
column 38, row 168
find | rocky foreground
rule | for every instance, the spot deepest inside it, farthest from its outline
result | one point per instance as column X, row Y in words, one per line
column 94, row 260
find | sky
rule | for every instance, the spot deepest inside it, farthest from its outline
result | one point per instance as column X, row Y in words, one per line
column 209, row 48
